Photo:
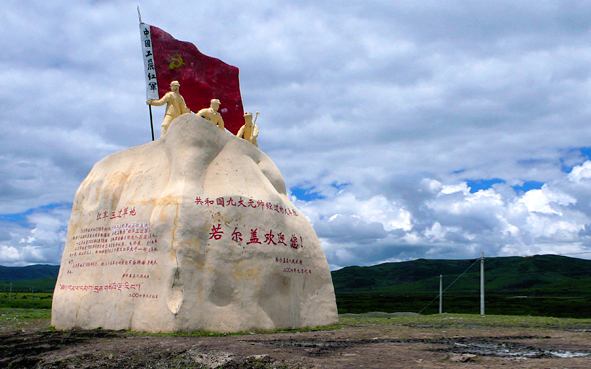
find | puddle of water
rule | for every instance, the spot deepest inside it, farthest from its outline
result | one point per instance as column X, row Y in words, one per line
column 568, row 354
column 513, row 350
column 496, row 349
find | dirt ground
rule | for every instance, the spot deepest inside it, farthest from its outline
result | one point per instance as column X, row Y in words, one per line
column 354, row 344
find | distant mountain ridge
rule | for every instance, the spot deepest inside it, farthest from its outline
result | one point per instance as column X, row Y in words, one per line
column 38, row 271
column 38, row 277
column 501, row 274
column 514, row 273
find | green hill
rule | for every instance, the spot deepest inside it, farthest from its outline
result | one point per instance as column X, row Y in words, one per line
column 547, row 285
column 540, row 272
column 39, row 277
column 38, row 271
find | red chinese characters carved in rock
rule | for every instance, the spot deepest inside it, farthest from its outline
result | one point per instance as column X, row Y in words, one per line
column 236, row 236
column 123, row 237
column 253, row 237
column 250, row 203
column 296, row 270
column 293, row 242
column 281, row 239
column 216, row 232
column 119, row 213
column 289, row 261
column 271, row 238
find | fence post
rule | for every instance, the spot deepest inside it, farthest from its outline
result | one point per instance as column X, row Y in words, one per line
column 440, row 294
column 482, row 284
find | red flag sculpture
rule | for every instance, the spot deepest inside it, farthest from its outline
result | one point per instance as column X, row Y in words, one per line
column 202, row 78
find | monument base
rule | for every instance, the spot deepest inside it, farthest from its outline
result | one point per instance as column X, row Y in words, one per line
column 191, row 232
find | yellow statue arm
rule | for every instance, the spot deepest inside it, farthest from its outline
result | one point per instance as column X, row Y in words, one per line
column 203, row 113
column 241, row 132
column 160, row 102
column 184, row 108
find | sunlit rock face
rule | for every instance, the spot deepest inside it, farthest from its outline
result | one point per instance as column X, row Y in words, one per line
column 191, row 232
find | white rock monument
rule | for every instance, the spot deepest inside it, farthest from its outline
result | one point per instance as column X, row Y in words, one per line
column 193, row 231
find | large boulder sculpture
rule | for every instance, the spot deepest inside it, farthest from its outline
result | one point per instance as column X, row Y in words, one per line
column 191, row 232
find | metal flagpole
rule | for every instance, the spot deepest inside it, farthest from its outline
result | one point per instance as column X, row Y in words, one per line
column 139, row 14
column 151, row 122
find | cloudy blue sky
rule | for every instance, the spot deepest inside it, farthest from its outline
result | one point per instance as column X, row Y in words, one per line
column 404, row 129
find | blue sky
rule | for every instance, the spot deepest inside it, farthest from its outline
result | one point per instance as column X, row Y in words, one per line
column 404, row 130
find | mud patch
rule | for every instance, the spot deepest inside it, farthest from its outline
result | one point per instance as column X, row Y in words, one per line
column 21, row 349
column 480, row 346
column 366, row 345
column 504, row 347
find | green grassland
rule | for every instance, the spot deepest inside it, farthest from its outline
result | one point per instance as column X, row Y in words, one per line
column 30, row 294
column 467, row 303
column 543, row 285
column 26, row 300
column 43, row 284
column 470, row 320
column 18, row 318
